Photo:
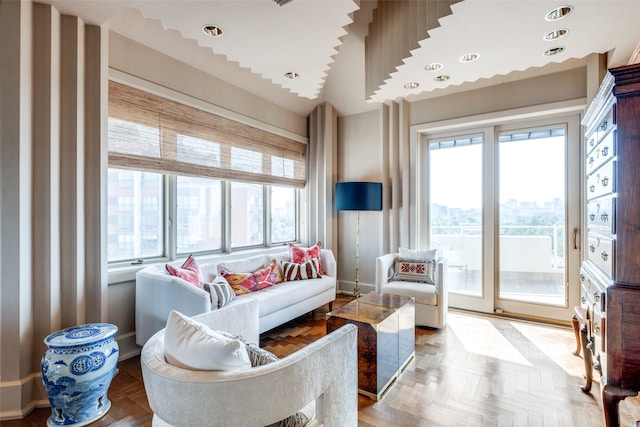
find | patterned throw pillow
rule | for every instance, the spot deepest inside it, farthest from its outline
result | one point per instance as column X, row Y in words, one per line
column 300, row 255
column 184, row 274
column 308, row 270
column 276, row 272
column 411, row 270
column 221, row 292
column 190, row 271
column 243, row 283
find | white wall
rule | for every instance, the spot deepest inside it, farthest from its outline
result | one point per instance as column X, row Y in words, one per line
column 360, row 158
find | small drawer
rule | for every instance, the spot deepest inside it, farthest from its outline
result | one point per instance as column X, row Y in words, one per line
column 600, row 251
column 602, row 181
column 605, row 150
column 597, row 329
column 601, row 215
column 592, row 292
column 605, row 125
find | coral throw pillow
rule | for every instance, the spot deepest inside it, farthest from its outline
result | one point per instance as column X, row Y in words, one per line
column 190, row 271
column 300, row 255
column 243, row 283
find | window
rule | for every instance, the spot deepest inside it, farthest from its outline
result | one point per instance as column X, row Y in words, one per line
column 135, row 215
column 182, row 180
column 199, row 214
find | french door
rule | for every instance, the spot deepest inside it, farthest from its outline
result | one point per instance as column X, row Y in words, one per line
column 503, row 208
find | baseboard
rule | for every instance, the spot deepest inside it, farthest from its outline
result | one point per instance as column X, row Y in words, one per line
column 127, row 346
column 12, row 406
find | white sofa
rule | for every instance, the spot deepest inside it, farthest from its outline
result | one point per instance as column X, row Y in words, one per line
column 431, row 301
column 322, row 376
column 157, row 293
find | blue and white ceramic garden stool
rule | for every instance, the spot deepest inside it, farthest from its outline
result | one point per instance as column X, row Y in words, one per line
column 77, row 370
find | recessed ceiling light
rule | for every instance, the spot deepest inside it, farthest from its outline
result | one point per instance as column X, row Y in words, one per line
column 469, row 57
column 411, row 85
column 292, row 75
column 554, row 51
column 556, row 34
column 442, row 78
column 213, row 30
column 435, row 66
column 558, row 13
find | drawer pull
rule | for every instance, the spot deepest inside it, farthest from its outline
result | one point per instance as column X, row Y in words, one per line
column 596, row 296
column 591, row 160
column 583, row 300
column 604, row 217
column 582, row 277
column 605, row 181
column 592, row 142
column 592, row 216
column 604, row 256
column 592, row 188
column 605, row 151
column 592, row 248
column 596, row 329
column 604, row 125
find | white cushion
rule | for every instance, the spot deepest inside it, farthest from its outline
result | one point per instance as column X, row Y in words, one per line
column 423, row 292
column 244, row 265
column 190, row 344
column 416, row 254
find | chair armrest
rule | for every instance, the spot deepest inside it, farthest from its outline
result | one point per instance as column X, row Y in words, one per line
column 157, row 294
column 384, row 264
column 325, row 371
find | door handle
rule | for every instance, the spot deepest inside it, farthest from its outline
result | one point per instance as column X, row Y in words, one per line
column 575, row 239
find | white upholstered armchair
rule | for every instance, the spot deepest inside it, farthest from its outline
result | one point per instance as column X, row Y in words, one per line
column 431, row 301
column 323, row 375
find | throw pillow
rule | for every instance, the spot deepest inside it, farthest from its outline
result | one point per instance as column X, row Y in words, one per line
column 276, row 272
column 191, row 264
column 301, row 255
column 190, row 344
column 411, row 270
column 221, row 292
column 258, row 356
column 308, row 270
column 187, row 275
column 416, row 254
column 244, row 283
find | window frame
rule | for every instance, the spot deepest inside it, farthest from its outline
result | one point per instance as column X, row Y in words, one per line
column 169, row 215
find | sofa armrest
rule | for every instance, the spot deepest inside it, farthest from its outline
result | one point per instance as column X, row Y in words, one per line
column 384, row 264
column 239, row 317
column 157, row 294
column 329, row 264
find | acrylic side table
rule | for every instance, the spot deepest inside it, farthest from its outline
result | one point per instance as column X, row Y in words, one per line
column 77, row 370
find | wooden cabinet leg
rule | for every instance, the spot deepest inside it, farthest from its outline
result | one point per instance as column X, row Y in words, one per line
column 330, row 305
column 611, row 396
column 575, row 324
column 588, row 359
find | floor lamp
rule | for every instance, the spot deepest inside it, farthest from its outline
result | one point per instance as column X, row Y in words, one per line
column 358, row 196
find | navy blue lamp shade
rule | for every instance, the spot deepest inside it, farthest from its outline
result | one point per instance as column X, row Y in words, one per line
column 358, row 196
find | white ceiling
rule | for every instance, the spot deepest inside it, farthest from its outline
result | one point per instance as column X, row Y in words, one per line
column 323, row 41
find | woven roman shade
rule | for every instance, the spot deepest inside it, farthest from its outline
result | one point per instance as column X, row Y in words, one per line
column 151, row 133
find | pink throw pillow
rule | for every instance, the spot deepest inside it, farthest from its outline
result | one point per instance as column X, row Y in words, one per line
column 190, row 271
column 301, row 255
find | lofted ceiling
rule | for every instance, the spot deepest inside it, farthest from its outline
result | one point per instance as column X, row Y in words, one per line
column 323, row 41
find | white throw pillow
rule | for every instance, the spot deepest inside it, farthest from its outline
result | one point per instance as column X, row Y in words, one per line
column 190, row 344
column 416, row 254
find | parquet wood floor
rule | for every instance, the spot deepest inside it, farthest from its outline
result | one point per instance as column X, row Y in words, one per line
column 479, row 371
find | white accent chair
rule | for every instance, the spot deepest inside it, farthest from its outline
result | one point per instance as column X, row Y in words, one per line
column 323, row 375
column 431, row 301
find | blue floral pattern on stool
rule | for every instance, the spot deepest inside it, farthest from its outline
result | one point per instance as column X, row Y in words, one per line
column 77, row 370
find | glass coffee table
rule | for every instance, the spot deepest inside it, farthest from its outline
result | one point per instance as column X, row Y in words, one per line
column 386, row 338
